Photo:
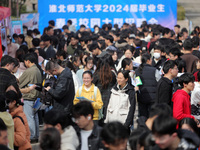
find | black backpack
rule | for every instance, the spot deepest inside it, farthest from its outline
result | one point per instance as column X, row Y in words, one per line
column 47, row 98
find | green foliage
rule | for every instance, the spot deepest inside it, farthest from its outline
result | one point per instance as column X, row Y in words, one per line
column 22, row 10
column 180, row 13
column 4, row 3
column 22, row 7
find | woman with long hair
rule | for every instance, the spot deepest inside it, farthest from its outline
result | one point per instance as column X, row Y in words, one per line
column 128, row 53
column 147, row 90
column 105, row 78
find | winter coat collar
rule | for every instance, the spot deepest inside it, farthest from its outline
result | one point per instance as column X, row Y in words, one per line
column 19, row 109
column 126, row 88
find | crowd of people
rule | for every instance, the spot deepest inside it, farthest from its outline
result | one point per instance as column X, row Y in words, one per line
column 85, row 86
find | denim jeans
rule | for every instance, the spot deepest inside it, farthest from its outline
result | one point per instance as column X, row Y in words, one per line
column 32, row 118
column 48, row 108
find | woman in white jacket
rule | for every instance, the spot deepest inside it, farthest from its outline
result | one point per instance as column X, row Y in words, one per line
column 121, row 106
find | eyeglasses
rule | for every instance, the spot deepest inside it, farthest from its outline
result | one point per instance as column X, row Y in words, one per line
column 161, row 139
column 175, row 68
column 86, row 78
column 76, row 120
column 90, row 63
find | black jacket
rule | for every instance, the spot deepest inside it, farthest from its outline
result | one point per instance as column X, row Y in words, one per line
column 6, row 80
column 50, row 52
column 189, row 141
column 42, row 53
column 63, row 92
column 164, row 91
column 94, row 140
column 196, row 53
column 142, row 123
column 147, row 93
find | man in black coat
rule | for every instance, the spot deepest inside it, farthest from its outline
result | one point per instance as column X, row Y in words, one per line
column 63, row 92
column 165, row 85
column 7, row 79
column 50, row 52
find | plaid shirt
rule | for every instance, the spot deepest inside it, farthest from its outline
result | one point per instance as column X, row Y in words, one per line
column 7, row 79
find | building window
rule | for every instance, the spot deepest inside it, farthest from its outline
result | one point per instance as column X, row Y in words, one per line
column 33, row 6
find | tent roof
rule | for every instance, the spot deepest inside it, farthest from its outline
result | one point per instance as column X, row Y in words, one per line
column 4, row 12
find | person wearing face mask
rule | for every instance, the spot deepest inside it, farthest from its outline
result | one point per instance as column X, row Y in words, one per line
column 96, row 29
column 12, row 47
column 158, row 60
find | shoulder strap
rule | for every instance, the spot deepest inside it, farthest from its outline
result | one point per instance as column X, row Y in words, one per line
column 80, row 90
column 114, row 72
column 95, row 92
column 19, row 118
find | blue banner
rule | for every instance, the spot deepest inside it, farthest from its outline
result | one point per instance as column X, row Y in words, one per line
column 17, row 27
column 98, row 12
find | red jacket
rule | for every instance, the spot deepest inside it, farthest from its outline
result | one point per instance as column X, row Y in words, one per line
column 195, row 75
column 181, row 105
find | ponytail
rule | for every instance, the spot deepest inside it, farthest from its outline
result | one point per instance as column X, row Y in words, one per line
column 125, row 62
column 144, row 59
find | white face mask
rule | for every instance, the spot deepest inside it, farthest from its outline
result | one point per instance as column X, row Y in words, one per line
column 8, row 42
column 96, row 31
column 156, row 55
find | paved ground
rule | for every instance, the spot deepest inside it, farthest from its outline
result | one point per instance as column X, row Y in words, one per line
column 192, row 10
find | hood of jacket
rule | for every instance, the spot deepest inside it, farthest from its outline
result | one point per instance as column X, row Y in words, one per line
column 126, row 88
column 121, row 43
column 69, row 138
column 18, row 110
column 188, row 139
column 180, row 92
column 7, row 118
